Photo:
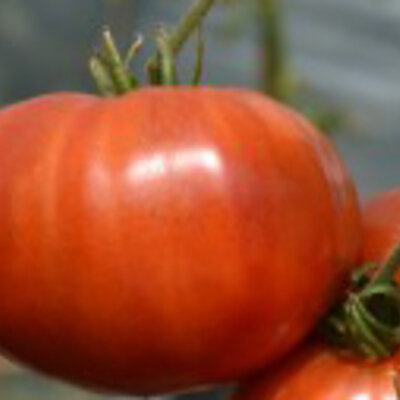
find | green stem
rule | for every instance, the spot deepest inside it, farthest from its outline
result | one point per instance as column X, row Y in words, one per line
column 178, row 37
column 101, row 76
column 133, row 51
column 118, row 71
column 199, row 54
column 167, row 57
column 274, row 55
column 110, row 71
column 189, row 24
column 391, row 267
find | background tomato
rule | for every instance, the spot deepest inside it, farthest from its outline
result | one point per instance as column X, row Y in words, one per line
column 167, row 238
column 319, row 372
column 382, row 225
column 322, row 372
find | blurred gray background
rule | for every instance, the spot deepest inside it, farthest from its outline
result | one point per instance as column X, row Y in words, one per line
column 346, row 54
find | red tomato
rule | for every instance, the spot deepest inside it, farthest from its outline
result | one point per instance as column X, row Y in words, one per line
column 382, row 225
column 167, row 238
column 321, row 372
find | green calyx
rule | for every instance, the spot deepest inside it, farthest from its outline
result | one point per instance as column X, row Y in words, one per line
column 368, row 320
column 111, row 71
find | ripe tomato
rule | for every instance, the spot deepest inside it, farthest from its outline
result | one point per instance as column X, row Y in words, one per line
column 382, row 225
column 167, row 238
column 321, row 372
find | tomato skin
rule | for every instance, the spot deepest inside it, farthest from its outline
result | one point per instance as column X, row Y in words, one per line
column 168, row 238
column 382, row 225
column 321, row 372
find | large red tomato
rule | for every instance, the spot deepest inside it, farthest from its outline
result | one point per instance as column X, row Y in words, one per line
column 167, row 238
column 321, row 372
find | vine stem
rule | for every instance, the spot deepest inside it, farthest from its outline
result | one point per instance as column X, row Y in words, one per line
column 392, row 266
column 177, row 38
column 274, row 55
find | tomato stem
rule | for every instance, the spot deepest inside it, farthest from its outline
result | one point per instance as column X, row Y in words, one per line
column 167, row 58
column 391, row 267
column 103, row 80
column 368, row 320
column 188, row 24
column 275, row 68
column 112, row 57
column 198, row 65
column 110, row 70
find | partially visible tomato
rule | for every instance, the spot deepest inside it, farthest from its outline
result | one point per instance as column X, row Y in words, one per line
column 168, row 238
column 381, row 225
column 323, row 372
